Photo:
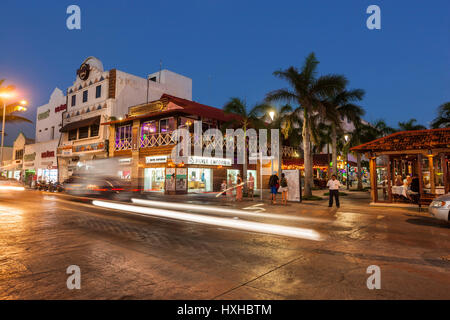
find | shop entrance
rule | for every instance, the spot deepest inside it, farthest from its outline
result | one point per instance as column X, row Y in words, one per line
column 154, row 179
column 199, row 180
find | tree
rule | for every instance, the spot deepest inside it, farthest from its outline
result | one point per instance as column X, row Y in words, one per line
column 410, row 125
column 307, row 91
column 340, row 106
column 443, row 118
column 361, row 134
column 382, row 128
column 247, row 119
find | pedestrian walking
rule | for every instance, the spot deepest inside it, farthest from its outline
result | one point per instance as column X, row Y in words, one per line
column 251, row 185
column 333, row 187
column 274, row 185
column 239, row 188
column 223, row 188
column 283, row 189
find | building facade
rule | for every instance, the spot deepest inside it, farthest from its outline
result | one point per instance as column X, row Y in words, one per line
column 39, row 159
column 98, row 96
column 143, row 143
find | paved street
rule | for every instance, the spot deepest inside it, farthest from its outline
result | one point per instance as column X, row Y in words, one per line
column 127, row 256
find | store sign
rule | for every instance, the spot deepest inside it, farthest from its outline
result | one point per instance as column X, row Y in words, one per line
column 48, row 154
column 61, row 108
column 90, row 147
column 209, row 161
column 156, row 159
column 44, row 115
column 146, row 108
column 66, row 151
column 29, row 157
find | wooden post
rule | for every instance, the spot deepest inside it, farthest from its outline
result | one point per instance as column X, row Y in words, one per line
column 419, row 165
column 373, row 179
column 444, row 172
column 431, row 166
column 389, row 179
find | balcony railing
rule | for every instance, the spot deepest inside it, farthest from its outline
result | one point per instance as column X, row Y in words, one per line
column 169, row 138
column 123, row 144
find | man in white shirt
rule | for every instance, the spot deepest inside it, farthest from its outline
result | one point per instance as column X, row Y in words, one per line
column 333, row 187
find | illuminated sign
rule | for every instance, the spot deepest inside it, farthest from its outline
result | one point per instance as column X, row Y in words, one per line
column 208, row 161
column 29, row 157
column 156, row 159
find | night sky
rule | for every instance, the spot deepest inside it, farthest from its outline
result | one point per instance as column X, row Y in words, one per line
column 231, row 48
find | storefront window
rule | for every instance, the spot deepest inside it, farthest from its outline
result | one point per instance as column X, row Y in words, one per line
column 154, row 179
column 233, row 173
column 48, row 175
column 426, row 175
column 123, row 133
column 147, row 129
column 439, row 175
column 382, row 178
column 199, row 180
column 166, row 125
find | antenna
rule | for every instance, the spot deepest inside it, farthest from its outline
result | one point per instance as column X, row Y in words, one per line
column 160, row 68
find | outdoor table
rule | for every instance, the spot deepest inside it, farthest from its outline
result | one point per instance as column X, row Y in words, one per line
column 400, row 190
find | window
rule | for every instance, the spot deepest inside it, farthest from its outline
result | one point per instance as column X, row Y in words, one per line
column 74, row 100
column 52, row 133
column 98, row 91
column 19, row 154
column 148, row 128
column 73, row 135
column 94, row 130
column 166, row 125
column 85, row 96
column 153, row 79
column 83, row 132
column 123, row 132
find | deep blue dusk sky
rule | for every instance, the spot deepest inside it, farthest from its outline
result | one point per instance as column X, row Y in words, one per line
column 230, row 48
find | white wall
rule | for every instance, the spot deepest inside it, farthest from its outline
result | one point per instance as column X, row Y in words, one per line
column 44, row 126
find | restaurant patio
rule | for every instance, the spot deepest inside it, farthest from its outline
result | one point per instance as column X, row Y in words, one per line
column 409, row 166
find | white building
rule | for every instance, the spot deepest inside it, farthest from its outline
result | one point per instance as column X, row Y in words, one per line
column 40, row 158
column 97, row 96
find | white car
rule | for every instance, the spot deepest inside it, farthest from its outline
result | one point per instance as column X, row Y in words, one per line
column 440, row 207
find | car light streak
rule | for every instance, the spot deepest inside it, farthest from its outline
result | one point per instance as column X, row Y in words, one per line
column 222, row 222
column 13, row 188
column 210, row 209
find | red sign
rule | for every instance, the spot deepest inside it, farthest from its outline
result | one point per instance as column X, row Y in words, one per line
column 47, row 154
column 61, row 108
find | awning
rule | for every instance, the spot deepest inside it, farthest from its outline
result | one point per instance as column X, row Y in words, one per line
column 81, row 123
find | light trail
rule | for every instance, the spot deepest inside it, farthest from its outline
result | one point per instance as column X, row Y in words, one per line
column 300, row 233
column 211, row 209
column 12, row 188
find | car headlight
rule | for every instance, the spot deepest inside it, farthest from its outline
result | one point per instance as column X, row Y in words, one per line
column 438, row 204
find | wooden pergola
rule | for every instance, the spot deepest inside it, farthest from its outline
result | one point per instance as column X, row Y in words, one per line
column 421, row 153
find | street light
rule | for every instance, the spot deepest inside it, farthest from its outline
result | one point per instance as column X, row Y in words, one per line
column 20, row 107
column 272, row 114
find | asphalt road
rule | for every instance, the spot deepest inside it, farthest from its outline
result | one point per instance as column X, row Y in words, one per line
column 127, row 256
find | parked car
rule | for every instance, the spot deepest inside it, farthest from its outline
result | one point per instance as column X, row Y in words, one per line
column 97, row 186
column 440, row 207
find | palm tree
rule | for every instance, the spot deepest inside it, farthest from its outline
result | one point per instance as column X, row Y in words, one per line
column 361, row 134
column 340, row 106
column 410, row 125
column 443, row 118
column 382, row 128
column 247, row 119
column 307, row 91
